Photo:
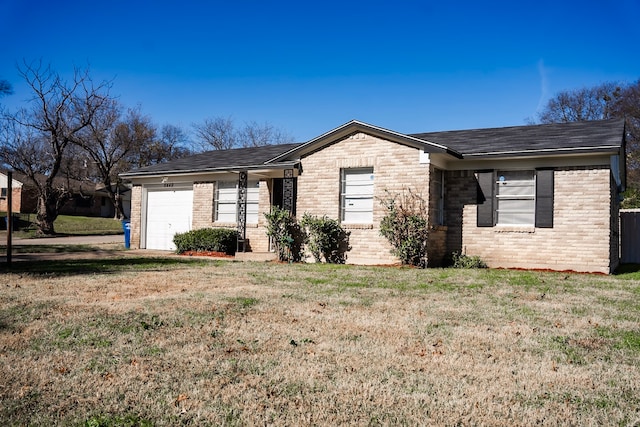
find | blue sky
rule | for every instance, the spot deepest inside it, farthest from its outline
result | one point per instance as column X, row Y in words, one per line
column 307, row 67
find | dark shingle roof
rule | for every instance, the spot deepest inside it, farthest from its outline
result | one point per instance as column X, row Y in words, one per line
column 559, row 138
column 604, row 135
column 217, row 160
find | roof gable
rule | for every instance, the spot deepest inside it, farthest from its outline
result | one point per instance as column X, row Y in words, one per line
column 354, row 126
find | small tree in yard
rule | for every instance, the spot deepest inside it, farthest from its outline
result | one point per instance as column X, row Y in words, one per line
column 405, row 226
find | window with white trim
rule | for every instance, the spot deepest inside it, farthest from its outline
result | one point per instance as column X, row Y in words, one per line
column 226, row 201
column 516, row 197
column 3, row 192
column 356, row 196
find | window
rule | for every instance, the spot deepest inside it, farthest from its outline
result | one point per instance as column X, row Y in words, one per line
column 3, row 192
column 515, row 198
column 356, row 196
column 227, row 201
column 437, row 197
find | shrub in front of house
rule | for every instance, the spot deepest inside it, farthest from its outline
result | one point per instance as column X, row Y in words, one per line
column 326, row 238
column 405, row 226
column 286, row 235
column 461, row 260
column 207, row 240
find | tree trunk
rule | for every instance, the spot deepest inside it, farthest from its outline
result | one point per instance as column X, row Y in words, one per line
column 43, row 220
column 46, row 215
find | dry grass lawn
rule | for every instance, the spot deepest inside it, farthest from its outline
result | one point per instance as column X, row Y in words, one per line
column 227, row 343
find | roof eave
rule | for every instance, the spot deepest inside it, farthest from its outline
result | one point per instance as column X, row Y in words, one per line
column 614, row 149
column 279, row 165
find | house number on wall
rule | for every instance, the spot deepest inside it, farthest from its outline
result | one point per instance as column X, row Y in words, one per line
column 168, row 184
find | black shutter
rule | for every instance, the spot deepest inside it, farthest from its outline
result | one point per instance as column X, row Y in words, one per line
column 485, row 199
column 544, row 198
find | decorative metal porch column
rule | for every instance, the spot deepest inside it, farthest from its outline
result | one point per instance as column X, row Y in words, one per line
column 287, row 190
column 242, row 210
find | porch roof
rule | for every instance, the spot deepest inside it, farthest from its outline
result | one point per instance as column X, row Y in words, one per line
column 219, row 161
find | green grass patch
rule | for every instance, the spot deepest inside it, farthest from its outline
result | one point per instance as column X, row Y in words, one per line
column 83, row 225
column 628, row 340
column 104, row 420
column 244, row 302
column 628, row 271
column 68, row 225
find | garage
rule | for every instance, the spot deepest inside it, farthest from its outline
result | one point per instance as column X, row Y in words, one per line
column 169, row 211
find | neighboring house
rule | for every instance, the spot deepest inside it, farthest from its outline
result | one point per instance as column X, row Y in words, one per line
column 16, row 193
column 543, row 197
column 87, row 199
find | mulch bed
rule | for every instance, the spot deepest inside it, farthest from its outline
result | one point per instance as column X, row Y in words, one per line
column 208, row 254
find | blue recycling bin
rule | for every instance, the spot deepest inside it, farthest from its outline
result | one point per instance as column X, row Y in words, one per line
column 126, row 227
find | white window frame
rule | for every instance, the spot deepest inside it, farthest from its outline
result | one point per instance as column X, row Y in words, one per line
column 226, row 196
column 356, row 195
column 518, row 188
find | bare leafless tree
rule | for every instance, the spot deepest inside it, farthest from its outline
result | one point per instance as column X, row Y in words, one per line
column 254, row 134
column 175, row 142
column 221, row 133
column 588, row 103
column 216, row 133
column 115, row 143
column 5, row 88
column 106, row 152
column 604, row 101
column 35, row 140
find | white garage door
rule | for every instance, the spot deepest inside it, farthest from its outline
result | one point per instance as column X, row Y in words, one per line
column 168, row 212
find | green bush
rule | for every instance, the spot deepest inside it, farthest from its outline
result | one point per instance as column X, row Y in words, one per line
column 207, row 239
column 631, row 199
column 405, row 226
column 326, row 238
column 460, row 260
column 285, row 233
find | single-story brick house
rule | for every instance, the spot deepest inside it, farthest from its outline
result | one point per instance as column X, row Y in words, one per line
column 543, row 196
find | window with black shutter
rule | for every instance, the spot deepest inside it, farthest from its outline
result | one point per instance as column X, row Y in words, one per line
column 485, row 199
column 515, row 198
column 544, row 198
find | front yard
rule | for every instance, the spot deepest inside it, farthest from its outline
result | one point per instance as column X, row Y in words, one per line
column 142, row 341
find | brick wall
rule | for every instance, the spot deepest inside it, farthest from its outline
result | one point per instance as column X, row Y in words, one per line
column 203, row 197
column 580, row 239
column 136, row 216
column 394, row 166
column 204, row 213
column 16, row 201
